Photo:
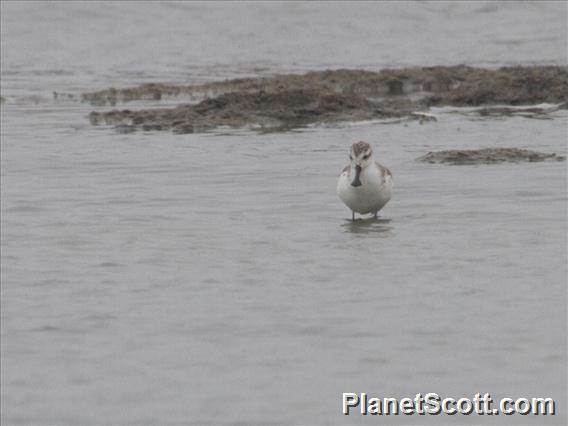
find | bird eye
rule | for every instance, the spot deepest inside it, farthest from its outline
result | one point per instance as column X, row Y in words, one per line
column 366, row 157
column 351, row 157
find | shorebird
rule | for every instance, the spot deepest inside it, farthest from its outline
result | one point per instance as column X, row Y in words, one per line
column 364, row 185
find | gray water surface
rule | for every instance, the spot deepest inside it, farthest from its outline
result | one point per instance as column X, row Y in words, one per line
column 153, row 278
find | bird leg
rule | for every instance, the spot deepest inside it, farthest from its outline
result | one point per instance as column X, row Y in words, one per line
column 352, row 215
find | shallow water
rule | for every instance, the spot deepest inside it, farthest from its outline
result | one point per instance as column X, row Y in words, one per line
column 215, row 278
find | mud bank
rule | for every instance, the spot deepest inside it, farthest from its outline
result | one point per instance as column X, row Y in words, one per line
column 288, row 101
column 487, row 156
column 268, row 111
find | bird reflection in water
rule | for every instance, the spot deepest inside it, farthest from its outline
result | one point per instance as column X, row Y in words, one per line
column 379, row 227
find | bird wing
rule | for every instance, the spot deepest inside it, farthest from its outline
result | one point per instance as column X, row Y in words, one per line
column 385, row 173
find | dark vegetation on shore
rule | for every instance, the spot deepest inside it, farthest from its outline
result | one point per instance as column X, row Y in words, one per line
column 487, row 156
column 284, row 102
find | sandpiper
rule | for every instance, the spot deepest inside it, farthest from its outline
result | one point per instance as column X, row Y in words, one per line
column 364, row 185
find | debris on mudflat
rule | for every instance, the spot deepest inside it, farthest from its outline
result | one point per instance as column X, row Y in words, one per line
column 288, row 101
column 424, row 117
column 63, row 96
column 487, row 156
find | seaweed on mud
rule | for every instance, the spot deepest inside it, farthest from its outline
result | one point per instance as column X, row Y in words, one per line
column 289, row 101
column 457, row 85
column 486, row 156
column 287, row 109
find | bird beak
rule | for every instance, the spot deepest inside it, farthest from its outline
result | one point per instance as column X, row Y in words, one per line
column 356, row 182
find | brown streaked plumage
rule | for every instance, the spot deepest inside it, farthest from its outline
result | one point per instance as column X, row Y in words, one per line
column 360, row 148
column 384, row 171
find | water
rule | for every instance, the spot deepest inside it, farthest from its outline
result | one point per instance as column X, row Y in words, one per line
column 215, row 278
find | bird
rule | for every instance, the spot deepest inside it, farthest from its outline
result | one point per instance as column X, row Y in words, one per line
column 364, row 185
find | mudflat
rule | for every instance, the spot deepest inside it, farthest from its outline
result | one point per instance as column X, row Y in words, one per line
column 282, row 102
column 487, row 156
